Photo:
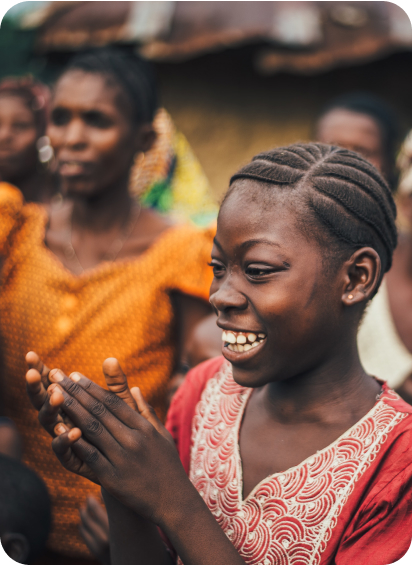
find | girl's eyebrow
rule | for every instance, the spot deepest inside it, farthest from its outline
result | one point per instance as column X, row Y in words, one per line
column 249, row 243
column 252, row 242
column 215, row 242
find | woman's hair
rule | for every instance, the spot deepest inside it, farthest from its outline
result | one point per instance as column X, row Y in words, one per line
column 382, row 114
column 34, row 94
column 134, row 75
column 349, row 201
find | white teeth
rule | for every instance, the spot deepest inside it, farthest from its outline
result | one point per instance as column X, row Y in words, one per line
column 255, row 344
column 224, row 336
column 251, row 337
column 261, row 336
column 247, row 346
column 240, row 348
column 230, row 338
column 241, row 338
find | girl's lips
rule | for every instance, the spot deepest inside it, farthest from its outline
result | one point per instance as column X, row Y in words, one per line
column 241, row 356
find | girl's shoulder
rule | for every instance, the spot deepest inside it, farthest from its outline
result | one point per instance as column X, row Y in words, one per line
column 183, row 406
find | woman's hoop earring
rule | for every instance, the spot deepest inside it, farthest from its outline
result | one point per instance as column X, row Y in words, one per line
column 44, row 149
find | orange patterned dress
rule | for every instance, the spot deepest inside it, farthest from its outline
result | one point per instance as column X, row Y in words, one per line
column 118, row 310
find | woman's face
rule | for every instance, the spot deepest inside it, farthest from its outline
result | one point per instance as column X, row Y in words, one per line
column 270, row 289
column 354, row 131
column 18, row 136
column 93, row 137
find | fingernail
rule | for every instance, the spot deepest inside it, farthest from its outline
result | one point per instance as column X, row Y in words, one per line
column 57, row 376
column 74, row 434
column 75, row 377
column 60, row 429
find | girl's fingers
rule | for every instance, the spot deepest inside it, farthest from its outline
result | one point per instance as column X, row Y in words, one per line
column 88, row 414
column 116, row 381
column 149, row 413
column 105, row 404
column 34, row 362
column 49, row 413
column 72, row 451
column 35, row 388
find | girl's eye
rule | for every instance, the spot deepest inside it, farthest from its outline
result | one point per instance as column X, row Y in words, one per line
column 259, row 272
column 218, row 268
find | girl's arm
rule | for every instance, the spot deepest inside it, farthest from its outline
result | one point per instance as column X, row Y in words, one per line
column 135, row 460
column 133, row 540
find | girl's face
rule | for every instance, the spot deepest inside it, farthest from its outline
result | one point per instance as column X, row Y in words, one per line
column 18, row 136
column 270, row 289
column 92, row 136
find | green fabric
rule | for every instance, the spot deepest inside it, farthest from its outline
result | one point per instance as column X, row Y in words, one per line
column 159, row 196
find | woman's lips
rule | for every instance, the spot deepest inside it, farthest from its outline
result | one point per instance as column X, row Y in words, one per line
column 73, row 168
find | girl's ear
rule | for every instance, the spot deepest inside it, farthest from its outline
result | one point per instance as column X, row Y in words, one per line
column 362, row 273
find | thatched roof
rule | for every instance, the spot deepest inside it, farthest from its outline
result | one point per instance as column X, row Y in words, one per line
column 303, row 37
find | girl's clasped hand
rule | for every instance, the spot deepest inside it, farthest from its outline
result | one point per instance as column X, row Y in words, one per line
column 101, row 437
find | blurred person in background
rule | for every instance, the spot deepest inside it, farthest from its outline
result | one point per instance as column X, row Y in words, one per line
column 25, row 516
column 24, row 148
column 385, row 336
column 363, row 123
column 96, row 272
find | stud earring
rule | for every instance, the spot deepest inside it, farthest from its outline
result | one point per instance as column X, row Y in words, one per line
column 350, row 296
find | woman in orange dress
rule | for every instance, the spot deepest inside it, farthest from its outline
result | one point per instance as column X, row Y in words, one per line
column 97, row 273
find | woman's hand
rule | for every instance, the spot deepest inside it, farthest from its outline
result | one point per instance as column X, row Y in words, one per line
column 131, row 454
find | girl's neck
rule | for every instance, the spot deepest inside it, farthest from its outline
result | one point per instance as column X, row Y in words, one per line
column 102, row 212
column 338, row 390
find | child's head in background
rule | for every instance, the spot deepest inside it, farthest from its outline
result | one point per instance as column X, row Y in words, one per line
column 25, row 515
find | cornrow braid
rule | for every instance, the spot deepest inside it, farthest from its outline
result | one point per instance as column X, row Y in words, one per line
column 344, row 192
column 134, row 75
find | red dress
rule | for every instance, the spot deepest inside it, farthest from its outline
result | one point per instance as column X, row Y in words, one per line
column 350, row 503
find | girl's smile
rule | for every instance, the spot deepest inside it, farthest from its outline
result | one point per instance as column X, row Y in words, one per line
column 239, row 345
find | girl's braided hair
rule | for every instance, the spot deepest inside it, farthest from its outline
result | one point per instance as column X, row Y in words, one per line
column 134, row 75
column 345, row 193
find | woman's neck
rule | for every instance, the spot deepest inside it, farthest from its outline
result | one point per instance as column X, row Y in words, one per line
column 338, row 390
column 102, row 212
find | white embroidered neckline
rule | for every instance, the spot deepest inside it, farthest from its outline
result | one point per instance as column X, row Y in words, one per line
column 288, row 514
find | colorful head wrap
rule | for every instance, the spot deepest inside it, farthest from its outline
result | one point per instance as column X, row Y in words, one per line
column 170, row 179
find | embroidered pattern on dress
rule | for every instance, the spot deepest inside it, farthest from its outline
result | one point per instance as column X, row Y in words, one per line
column 288, row 518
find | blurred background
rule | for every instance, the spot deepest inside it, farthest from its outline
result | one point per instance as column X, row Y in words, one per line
column 236, row 77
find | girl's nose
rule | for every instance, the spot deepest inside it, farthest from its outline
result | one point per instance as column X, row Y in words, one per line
column 227, row 297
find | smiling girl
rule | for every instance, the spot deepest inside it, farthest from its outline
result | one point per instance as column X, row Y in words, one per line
column 294, row 454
